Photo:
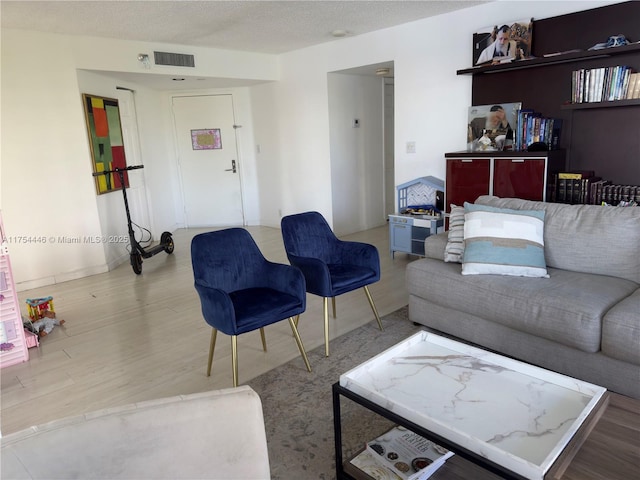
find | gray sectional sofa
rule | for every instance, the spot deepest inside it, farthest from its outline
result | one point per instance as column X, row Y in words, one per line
column 582, row 321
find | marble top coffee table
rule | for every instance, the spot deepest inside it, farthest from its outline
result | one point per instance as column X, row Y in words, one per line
column 507, row 413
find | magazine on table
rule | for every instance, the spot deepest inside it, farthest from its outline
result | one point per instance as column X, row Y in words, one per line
column 405, row 453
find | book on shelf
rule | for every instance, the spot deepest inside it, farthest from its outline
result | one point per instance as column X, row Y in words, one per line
column 576, row 191
column 556, row 128
column 561, row 190
column 585, row 195
column 620, row 195
column 597, row 190
column 633, row 90
column 577, row 174
column 552, row 188
column 533, row 127
column 633, row 78
column 602, row 84
column 573, row 187
column 400, row 454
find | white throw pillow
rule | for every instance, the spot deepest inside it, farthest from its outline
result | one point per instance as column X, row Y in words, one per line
column 502, row 241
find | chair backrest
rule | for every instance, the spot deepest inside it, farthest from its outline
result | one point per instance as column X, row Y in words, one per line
column 227, row 259
column 308, row 235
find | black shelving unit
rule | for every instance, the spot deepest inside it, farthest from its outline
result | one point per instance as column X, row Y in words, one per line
column 599, row 136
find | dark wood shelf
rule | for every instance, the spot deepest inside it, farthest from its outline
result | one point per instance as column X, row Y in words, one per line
column 614, row 103
column 601, row 136
column 505, row 154
column 550, row 60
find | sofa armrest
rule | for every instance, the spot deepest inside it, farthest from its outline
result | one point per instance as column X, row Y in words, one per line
column 434, row 245
column 141, row 440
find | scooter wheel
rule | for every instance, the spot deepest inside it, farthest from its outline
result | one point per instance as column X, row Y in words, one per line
column 167, row 240
column 136, row 263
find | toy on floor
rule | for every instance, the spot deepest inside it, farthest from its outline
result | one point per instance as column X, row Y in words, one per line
column 36, row 307
column 42, row 315
column 44, row 325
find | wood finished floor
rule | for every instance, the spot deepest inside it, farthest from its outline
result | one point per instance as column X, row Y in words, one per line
column 130, row 338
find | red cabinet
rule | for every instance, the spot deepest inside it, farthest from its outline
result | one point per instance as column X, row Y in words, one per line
column 523, row 175
column 466, row 180
column 519, row 178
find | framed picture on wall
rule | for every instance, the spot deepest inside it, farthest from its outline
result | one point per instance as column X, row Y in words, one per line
column 105, row 140
column 491, row 127
column 206, row 139
column 503, row 43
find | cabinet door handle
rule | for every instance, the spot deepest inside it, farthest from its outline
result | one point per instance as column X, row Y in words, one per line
column 517, row 160
column 467, row 160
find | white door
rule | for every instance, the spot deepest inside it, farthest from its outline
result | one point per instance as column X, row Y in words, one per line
column 208, row 159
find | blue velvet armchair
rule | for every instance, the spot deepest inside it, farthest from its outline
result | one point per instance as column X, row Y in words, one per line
column 241, row 291
column 330, row 266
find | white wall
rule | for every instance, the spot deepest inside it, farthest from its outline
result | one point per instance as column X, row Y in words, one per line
column 357, row 154
column 47, row 191
column 46, row 186
column 431, row 101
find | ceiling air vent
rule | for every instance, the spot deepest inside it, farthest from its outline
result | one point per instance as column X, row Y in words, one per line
column 174, row 59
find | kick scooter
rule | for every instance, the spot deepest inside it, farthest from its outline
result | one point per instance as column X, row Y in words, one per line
column 138, row 252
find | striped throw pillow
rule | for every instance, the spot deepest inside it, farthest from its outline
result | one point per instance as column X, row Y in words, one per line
column 502, row 241
column 455, row 243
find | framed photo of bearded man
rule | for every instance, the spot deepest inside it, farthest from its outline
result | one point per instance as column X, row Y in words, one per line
column 503, row 43
column 492, row 127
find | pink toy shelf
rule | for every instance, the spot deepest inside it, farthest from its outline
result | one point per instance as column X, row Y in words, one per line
column 12, row 336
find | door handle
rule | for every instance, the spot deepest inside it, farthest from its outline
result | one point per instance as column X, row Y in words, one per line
column 233, row 167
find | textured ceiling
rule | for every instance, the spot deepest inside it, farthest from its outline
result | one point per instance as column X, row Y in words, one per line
column 265, row 26
column 254, row 26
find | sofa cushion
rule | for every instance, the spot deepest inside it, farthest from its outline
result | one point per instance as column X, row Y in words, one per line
column 455, row 241
column 435, row 245
column 586, row 238
column 503, row 241
column 621, row 330
column 567, row 308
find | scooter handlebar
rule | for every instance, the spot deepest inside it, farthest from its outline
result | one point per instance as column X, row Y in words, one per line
column 116, row 170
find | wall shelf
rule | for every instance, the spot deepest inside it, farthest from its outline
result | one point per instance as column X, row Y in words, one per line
column 602, row 136
column 580, row 56
column 611, row 104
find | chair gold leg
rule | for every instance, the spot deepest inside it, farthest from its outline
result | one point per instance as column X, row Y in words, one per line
column 234, row 359
column 264, row 340
column 212, row 346
column 373, row 306
column 292, row 322
column 297, row 320
column 326, row 326
column 333, row 304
